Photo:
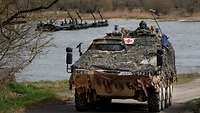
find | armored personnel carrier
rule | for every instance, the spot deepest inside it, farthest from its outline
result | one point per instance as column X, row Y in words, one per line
column 132, row 65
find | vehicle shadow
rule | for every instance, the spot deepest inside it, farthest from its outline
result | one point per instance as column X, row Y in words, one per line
column 123, row 107
column 69, row 107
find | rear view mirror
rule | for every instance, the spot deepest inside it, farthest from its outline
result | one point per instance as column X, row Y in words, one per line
column 69, row 57
column 160, row 57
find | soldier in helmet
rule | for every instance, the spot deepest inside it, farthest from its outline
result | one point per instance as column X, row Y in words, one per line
column 142, row 28
column 143, row 25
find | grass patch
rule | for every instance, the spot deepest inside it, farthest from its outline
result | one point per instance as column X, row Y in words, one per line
column 186, row 78
column 16, row 96
column 59, row 88
column 53, row 86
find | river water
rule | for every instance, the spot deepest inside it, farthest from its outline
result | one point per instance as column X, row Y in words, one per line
column 185, row 37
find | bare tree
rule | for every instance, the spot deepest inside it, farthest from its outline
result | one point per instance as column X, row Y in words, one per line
column 20, row 43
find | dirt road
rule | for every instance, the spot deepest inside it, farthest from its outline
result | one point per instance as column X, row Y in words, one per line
column 182, row 94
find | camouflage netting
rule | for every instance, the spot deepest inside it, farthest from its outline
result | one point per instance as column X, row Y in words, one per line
column 129, row 59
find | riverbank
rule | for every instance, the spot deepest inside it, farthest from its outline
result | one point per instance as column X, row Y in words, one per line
column 135, row 14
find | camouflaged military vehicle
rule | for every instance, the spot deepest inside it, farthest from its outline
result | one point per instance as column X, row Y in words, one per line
column 124, row 66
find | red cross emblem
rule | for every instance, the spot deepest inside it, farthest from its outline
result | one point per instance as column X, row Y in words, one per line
column 129, row 40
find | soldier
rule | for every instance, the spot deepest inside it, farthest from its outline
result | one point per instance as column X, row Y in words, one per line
column 116, row 29
column 143, row 25
column 152, row 29
column 62, row 23
column 142, row 28
column 165, row 42
column 124, row 31
column 76, row 21
column 65, row 21
column 158, row 33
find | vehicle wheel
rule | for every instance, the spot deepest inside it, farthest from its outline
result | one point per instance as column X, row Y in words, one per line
column 170, row 94
column 154, row 101
column 81, row 102
column 167, row 97
column 163, row 99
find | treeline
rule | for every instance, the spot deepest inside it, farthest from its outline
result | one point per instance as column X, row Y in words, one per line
column 163, row 6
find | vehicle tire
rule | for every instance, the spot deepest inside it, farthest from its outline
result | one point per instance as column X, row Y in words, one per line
column 163, row 98
column 167, row 97
column 81, row 102
column 154, row 101
column 170, row 94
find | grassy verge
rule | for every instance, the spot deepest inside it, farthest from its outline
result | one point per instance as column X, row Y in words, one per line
column 53, row 86
column 59, row 88
column 185, row 78
column 15, row 97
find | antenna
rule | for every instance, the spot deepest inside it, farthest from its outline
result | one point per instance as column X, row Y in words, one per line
column 153, row 12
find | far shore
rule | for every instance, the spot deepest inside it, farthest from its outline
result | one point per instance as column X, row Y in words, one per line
column 138, row 15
